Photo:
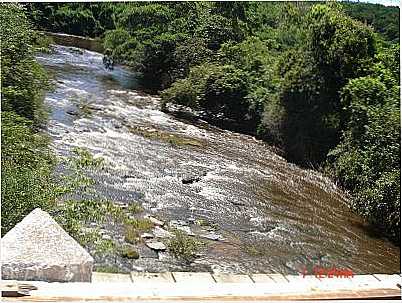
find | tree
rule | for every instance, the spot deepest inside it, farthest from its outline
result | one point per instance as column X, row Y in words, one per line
column 338, row 49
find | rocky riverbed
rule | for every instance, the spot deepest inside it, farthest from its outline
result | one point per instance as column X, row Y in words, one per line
column 251, row 210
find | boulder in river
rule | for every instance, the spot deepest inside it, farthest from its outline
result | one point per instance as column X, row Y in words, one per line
column 193, row 177
column 190, row 180
column 212, row 236
column 156, row 221
column 106, row 237
column 156, row 245
column 161, row 233
column 72, row 112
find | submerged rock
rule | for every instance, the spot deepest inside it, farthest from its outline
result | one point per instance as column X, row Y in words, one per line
column 175, row 223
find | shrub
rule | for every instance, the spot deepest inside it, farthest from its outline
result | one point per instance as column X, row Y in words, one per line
column 26, row 171
column 140, row 224
column 183, row 246
column 23, row 79
column 131, row 234
column 135, row 208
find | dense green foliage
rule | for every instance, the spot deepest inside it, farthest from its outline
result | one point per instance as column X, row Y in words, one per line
column 367, row 160
column 23, row 80
column 336, row 49
column 82, row 19
column 314, row 79
column 384, row 19
column 26, row 170
column 26, row 162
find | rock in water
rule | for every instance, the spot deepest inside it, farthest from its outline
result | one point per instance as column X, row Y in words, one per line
column 156, row 221
column 161, row 233
column 212, row 236
column 158, row 246
column 190, row 180
column 37, row 248
column 147, row 236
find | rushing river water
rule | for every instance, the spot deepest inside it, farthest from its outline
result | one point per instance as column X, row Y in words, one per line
column 268, row 215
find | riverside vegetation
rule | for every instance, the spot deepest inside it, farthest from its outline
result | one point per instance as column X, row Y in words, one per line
column 29, row 175
column 309, row 78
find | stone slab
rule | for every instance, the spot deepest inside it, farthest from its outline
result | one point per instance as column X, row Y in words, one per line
column 262, row 278
column 100, row 277
column 193, row 277
column 216, row 292
column 156, row 245
column 278, row 278
column 38, row 249
column 230, row 278
column 143, row 277
column 364, row 281
column 309, row 282
column 388, row 280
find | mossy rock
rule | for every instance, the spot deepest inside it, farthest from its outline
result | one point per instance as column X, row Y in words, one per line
column 129, row 252
column 170, row 138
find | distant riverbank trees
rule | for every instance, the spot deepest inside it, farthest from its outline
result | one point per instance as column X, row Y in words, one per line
column 314, row 79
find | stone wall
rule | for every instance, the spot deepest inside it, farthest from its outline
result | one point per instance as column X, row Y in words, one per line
column 76, row 41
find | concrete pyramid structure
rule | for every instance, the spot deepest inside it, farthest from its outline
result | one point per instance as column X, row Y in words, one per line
column 37, row 248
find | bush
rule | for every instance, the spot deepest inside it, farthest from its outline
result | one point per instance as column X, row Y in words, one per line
column 219, row 90
column 183, row 246
column 225, row 92
column 183, row 92
column 27, row 163
column 23, row 79
column 311, row 77
column 131, row 234
column 367, row 161
column 26, row 171
column 114, row 38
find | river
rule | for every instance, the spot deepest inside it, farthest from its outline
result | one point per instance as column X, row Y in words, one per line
column 268, row 215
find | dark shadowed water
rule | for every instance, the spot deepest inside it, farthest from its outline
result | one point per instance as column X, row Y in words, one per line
column 271, row 215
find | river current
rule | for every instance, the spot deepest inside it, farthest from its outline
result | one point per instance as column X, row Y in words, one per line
column 268, row 215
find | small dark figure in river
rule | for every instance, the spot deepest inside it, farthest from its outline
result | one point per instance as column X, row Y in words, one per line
column 108, row 60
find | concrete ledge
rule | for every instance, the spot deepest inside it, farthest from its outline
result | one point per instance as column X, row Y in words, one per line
column 107, row 292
